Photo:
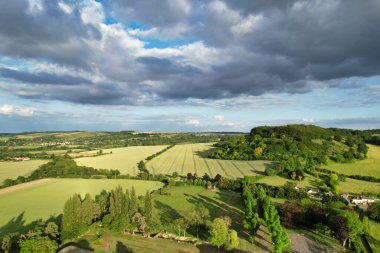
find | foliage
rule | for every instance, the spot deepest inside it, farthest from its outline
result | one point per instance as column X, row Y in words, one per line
column 219, row 232
column 374, row 211
column 38, row 245
column 232, row 240
column 293, row 146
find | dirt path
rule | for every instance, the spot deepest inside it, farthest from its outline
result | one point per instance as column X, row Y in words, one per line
column 304, row 244
column 263, row 240
column 24, row 185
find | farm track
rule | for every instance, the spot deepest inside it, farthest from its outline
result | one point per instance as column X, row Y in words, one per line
column 163, row 163
column 251, row 166
column 224, row 169
column 211, row 169
column 170, row 168
column 24, row 185
column 193, row 154
column 238, row 169
column 188, row 158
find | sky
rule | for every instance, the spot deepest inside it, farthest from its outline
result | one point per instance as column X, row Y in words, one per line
column 188, row 65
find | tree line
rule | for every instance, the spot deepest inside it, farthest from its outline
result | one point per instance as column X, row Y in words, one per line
column 259, row 209
column 295, row 148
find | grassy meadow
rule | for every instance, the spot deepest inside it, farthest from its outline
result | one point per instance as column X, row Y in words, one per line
column 367, row 167
column 123, row 159
column 177, row 204
column 372, row 231
column 191, row 158
column 14, row 169
column 350, row 185
column 20, row 207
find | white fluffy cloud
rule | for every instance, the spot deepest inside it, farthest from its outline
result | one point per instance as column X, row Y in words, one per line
column 16, row 110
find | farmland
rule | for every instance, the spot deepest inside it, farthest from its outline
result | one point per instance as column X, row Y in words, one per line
column 177, row 204
column 14, row 169
column 20, row 207
column 191, row 158
column 372, row 230
column 367, row 167
column 123, row 159
column 349, row 185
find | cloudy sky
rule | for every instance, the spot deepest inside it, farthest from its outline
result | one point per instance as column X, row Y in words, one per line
column 188, row 65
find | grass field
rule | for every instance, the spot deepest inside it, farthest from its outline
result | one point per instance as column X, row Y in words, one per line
column 219, row 203
column 131, row 243
column 350, row 185
column 20, row 207
column 372, row 230
column 123, row 159
column 367, row 167
column 191, row 158
column 14, row 169
column 309, row 181
column 175, row 205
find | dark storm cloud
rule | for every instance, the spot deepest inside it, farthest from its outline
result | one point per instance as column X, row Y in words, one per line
column 47, row 33
column 251, row 48
column 42, row 77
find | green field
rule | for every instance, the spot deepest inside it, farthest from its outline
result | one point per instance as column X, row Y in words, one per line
column 350, row 185
column 22, row 206
column 219, row 203
column 175, row 205
column 309, row 181
column 123, row 159
column 372, row 230
column 187, row 158
column 136, row 244
column 367, row 167
column 14, row 169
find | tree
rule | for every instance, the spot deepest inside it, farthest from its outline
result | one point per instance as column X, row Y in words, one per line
column 87, row 209
column 338, row 224
column 232, row 240
column 374, row 211
column 9, row 242
column 51, row 230
column 38, row 244
column 72, row 221
column 219, row 232
column 142, row 225
column 148, row 208
column 133, row 207
column 198, row 216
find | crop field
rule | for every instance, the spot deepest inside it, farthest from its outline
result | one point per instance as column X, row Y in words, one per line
column 367, row 167
column 123, row 159
column 192, row 158
column 20, row 207
column 14, row 169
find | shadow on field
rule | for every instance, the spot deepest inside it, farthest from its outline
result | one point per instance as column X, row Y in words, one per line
column 205, row 153
column 206, row 248
column 217, row 209
column 82, row 246
column 121, row 248
column 168, row 214
column 18, row 224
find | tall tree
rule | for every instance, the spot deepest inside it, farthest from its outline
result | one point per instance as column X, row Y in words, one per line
column 134, row 206
column 87, row 209
column 148, row 208
column 219, row 232
column 232, row 240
